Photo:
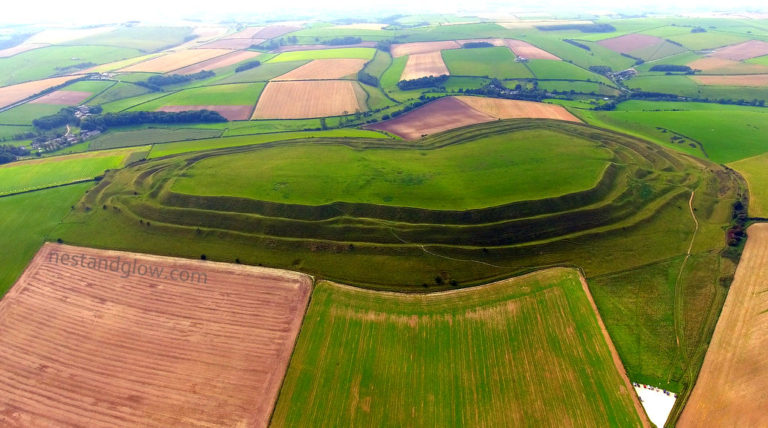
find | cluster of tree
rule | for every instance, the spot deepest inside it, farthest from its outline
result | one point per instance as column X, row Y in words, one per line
column 496, row 89
column 384, row 45
column 601, row 69
column 698, row 30
column 19, row 137
column 65, row 116
column 422, row 82
column 473, row 45
column 366, row 78
column 674, row 42
column 155, row 83
column 10, row 153
column 672, row 68
column 348, row 40
column 577, row 44
column 247, row 66
column 584, row 28
column 103, row 122
column 638, row 61
column 276, row 43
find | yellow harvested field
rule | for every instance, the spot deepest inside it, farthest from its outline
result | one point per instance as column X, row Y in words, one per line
column 730, row 390
column 175, row 60
column 325, row 69
column 5, row 53
column 112, row 66
column 404, row 49
column 745, row 80
column 515, row 109
column 219, row 62
column 424, row 65
column 306, row 99
column 15, row 93
column 362, row 26
column 726, row 66
column 527, row 50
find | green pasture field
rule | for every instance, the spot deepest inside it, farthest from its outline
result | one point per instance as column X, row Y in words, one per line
column 8, row 131
column 578, row 86
column 119, row 91
column 141, row 137
column 454, row 83
column 39, row 173
column 234, row 94
column 249, row 127
column 663, row 50
column 49, row 61
column 483, row 30
column 448, row 359
column 123, row 104
column 498, row 62
column 27, row 220
column 755, row 171
column 486, row 172
column 379, row 64
column 363, row 53
column 26, row 113
column 761, row 60
column 390, row 77
column 683, row 86
column 262, row 73
column 561, row 70
column 92, row 86
column 376, row 99
column 597, row 55
column 326, row 31
column 708, row 40
column 117, row 65
column 161, row 150
column 683, row 58
column 145, row 39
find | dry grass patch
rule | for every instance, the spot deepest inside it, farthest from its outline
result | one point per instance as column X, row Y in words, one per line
column 515, row 109
column 65, row 98
column 175, row 60
column 424, row 65
column 15, row 93
column 730, row 390
column 736, row 80
column 193, row 343
column 307, row 99
column 742, row 51
column 219, row 62
column 404, row 49
column 325, row 69
column 527, row 50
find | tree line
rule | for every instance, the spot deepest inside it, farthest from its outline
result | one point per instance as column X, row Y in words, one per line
column 128, row 118
column 422, row 82
column 10, row 153
column 155, row 83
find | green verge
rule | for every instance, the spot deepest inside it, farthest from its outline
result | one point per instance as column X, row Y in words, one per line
column 524, row 352
column 755, row 171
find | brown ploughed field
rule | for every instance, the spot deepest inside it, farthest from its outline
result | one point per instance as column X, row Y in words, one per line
column 229, row 111
column 630, row 42
column 275, row 31
column 303, row 99
column 82, row 346
column 424, row 65
column 175, row 60
column 514, row 109
column 527, row 50
column 731, row 388
column 219, row 62
column 716, row 65
column 403, row 49
column 232, row 43
column 736, row 80
column 15, row 93
column 65, row 98
column 742, row 51
column 325, row 69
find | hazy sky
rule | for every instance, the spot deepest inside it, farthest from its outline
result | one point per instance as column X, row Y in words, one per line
column 90, row 11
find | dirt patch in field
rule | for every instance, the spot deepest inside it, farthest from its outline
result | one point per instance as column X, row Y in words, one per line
column 232, row 43
column 742, row 51
column 515, row 109
column 65, row 98
column 630, row 42
column 437, row 116
column 24, row 47
column 85, row 344
column 730, row 389
column 175, row 60
column 306, row 99
column 726, row 66
column 15, row 93
column 325, row 69
column 228, row 111
column 404, row 49
column 755, row 80
column 527, row 50
column 424, row 65
column 219, row 62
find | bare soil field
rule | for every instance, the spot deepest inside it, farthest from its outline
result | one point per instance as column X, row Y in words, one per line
column 403, row 49
column 275, row 31
column 424, row 65
column 325, row 69
column 93, row 346
column 743, row 80
column 229, row 111
column 306, row 99
column 742, row 51
column 232, row 43
column 296, row 48
column 716, row 65
column 248, row 33
column 21, row 48
column 515, row 109
column 730, row 390
column 65, row 98
column 630, row 42
column 15, row 93
column 437, row 116
column 527, row 50
column 175, row 60
column 219, row 62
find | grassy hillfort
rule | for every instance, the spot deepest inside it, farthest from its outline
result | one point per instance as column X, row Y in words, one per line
column 502, row 221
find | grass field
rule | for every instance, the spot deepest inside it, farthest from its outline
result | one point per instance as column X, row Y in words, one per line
column 262, row 73
column 498, row 62
column 379, row 64
column 141, row 137
column 26, row 113
column 524, row 352
column 92, row 86
column 363, row 53
column 234, row 94
column 143, row 38
column 390, row 77
column 755, row 171
column 119, row 91
column 27, row 219
column 7, row 131
column 486, row 172
column 561, row 70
